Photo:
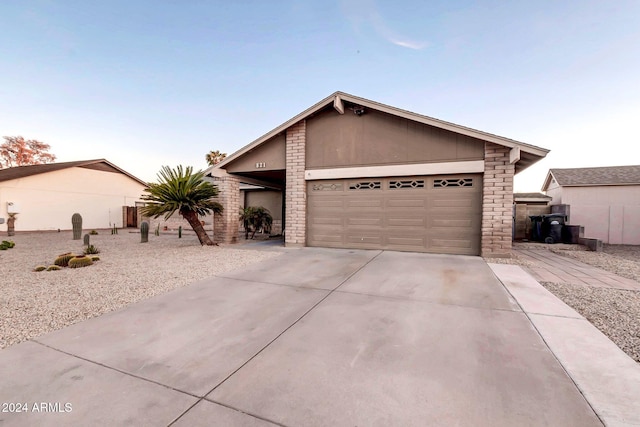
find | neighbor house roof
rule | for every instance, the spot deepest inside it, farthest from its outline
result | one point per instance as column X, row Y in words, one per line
column 98, row 164
column 531, row 196
column 529, row 153
column 611, row 175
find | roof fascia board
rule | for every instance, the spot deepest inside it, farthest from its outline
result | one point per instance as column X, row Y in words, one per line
column 314, row 108
column 618, row 184
column 341, row 96
column 547, row 181
column 122, row 171
column 511, row 143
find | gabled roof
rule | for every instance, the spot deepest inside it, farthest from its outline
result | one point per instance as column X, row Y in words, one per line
column 529, row 153
column 611, row 175
column 98, row 164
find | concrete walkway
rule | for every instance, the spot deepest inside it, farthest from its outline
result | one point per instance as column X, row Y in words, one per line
column 321, row 337
column 551, row 267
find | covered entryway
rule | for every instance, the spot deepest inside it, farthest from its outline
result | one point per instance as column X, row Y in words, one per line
column 437, row 214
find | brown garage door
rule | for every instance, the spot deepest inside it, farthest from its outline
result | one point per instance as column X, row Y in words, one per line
column 438, row 214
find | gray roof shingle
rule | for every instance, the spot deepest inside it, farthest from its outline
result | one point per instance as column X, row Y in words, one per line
column 611, row 175
column 25, row 171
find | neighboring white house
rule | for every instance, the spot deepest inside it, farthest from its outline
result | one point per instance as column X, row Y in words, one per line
column 45, row 196
column 605, row 200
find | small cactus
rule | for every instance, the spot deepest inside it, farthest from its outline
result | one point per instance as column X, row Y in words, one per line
column 53, row 268
column 87, row 239
column 157, row 232
column 76, row 222
column 63, row 259
column 91, row 250
column 6, row 244
column 95, row 258
column 144, row 232
column 93, row 232
column 180, row 232
column 80, row 261
column 40, row 268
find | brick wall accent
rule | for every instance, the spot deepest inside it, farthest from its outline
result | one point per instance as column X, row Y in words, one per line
column 226, row 224
column 497, row 202
column 296, row 188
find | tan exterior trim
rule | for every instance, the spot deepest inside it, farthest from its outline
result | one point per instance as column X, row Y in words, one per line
column 474, row 166
column 514, row 155
column 338, row 104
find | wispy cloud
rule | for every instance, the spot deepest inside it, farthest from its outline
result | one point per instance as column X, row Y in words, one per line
column 410, row 44
column 365, row 12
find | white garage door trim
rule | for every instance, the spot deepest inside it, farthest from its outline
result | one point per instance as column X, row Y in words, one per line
column 473, row 166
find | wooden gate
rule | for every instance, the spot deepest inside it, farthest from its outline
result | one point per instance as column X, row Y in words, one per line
column 131, row 216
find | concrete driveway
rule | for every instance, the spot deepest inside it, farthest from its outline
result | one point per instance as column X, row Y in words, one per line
column 315, row 337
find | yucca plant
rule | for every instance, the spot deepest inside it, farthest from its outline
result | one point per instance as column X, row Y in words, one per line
column 91, row 250
column 186, row 192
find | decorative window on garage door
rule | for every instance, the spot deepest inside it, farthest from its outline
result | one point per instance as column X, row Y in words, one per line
column 365, row 185
column 416, row 183
column 455, row 182
column 327, row 187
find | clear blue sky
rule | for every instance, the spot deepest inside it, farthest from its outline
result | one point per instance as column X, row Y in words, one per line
column 151, row 83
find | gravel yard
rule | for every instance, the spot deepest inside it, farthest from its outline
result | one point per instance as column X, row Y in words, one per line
column 623, row 260
column 616, row 312
column 33, row 303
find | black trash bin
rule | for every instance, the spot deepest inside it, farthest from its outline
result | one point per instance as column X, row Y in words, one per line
column 552, row 225
column 547, row 228
column 536, row 228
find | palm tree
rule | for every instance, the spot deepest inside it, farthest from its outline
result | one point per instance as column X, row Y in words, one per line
column 254, row 218
column 215, row 157
column 184, row 191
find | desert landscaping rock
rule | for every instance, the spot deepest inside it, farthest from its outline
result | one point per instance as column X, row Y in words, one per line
column 615, row 312
column 33, row 303
column 623, row 260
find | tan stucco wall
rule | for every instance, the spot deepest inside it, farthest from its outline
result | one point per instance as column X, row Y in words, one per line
column 272, row 200
column 268, row 156
column 609, row 213
column 376, row 138
column 48, row 200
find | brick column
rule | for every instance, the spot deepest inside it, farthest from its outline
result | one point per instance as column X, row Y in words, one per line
column 225, row 225
column 497, row 202
column 296, row 187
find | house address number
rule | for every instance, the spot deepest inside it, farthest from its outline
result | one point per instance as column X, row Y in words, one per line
column 260, row 165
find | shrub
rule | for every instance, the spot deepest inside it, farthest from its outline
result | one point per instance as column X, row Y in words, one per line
column 93, row 232
column 91, row 250
column 40, row 268
column 53, row 268
column 6, row 244
column 63, row 259
column 80, row 261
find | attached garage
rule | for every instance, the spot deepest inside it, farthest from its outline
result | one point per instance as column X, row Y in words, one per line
column 355, row 173
column 438, row 214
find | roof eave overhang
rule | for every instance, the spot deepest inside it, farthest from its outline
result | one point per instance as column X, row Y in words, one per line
column 338, row 98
